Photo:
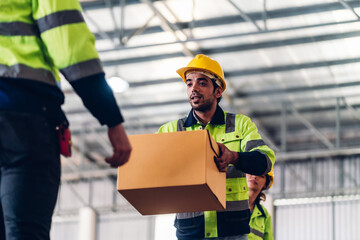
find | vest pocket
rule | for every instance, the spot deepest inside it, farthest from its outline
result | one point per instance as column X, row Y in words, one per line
column 231, row 140
column 236, row 189
column 259, row 224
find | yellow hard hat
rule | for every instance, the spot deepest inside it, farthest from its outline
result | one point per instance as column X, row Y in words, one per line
column 271, row 178
column 204, row 63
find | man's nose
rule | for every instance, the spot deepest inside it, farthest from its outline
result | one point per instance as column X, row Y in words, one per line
column 195, row 87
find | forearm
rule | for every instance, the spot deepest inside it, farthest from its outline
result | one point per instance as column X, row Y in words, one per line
column 253, row 163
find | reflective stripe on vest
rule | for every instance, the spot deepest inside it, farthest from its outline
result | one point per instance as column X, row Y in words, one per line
column 254, row 144
column 257, row 233
column 83, row 69
column 18, row 29
column 210, row 224
column 58, row 19
column 237, row 202
column 23, row 71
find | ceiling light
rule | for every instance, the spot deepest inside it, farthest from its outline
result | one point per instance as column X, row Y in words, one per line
column 118, row 84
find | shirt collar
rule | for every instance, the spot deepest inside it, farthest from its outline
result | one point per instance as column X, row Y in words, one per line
column 217, row 119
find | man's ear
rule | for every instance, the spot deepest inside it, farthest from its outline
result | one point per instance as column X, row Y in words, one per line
column 218, row 92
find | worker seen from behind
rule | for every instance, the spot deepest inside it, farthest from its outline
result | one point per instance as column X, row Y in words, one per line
column 242, row 151
column 260, row 222
column 39, row 38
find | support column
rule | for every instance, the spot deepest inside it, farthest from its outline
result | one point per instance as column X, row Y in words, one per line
column 87, row 223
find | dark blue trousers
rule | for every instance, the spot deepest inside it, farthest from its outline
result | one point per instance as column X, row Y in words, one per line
column 29, row 176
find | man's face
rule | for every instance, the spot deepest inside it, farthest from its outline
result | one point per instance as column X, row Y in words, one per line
column 200, row 91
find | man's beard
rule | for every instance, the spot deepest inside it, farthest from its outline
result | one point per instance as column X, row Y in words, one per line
column 206, row 106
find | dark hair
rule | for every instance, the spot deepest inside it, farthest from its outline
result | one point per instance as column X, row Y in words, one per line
column 215, row 87
column 260, row 197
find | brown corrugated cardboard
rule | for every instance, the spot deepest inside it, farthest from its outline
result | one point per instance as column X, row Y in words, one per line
column 172, row 173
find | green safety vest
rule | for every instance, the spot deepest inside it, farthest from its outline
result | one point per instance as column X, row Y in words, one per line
column 260, row 224
column 40, row 37
column 239, row 134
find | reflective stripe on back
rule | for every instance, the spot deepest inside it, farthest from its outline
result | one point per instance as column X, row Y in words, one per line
column 18, row 29
column 58, row 19
column 257, row 232
column 26, row 72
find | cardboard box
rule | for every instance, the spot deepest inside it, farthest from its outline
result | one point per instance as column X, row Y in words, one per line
column 173, row 173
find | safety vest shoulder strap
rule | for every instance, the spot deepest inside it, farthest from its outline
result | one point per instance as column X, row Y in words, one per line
column 230, row 122
column 180, row 124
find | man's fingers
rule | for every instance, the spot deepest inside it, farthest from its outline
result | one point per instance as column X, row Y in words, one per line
column 221, row 164
column 222, row 169
column 221, row 148
column 118, row 158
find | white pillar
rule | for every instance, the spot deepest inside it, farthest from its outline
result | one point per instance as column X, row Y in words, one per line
column 87, row 223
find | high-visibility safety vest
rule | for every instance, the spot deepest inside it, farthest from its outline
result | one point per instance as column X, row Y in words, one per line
column 260, row 224
column 239, row 134
column 40, row 37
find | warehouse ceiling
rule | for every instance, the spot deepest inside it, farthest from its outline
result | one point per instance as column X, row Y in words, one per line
column 292, row 66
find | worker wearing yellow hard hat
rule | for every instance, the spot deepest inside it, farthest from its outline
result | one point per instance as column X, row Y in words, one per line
column 260, row 221
column 242, row 151
column 204, row 63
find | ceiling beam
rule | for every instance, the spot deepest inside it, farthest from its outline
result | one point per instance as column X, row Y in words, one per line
column 255, row 16
column 291, row 67
column 245, row 16
column 283, row 42
column 132, row 106
column 310, row 110
column 224, row 36
column 304, row 155
column 237, row 73
column 98, row 4
column 239, row 48
column 347, row 6
column 169, row 27
column 278, row 91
